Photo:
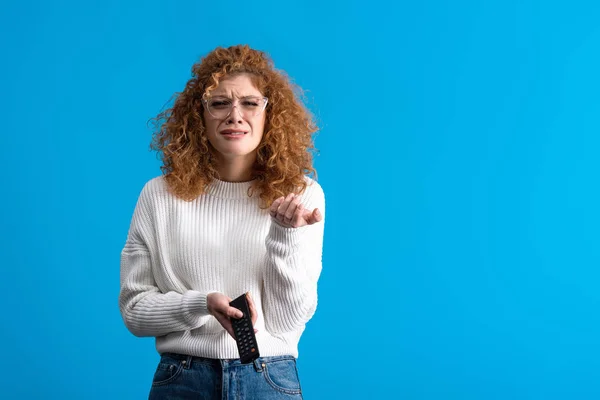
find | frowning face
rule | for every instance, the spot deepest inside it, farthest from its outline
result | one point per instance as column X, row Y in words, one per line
column 235, row 118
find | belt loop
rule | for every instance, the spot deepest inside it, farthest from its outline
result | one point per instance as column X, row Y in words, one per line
column 187, row 363
column 258, row 365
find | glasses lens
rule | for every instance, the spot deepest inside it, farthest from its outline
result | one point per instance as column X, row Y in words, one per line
column 252, row 106
column 219, row 107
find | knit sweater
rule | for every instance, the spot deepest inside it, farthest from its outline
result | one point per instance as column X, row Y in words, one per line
column 177, row 252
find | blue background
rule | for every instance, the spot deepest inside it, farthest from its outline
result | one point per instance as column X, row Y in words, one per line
column 459, row 156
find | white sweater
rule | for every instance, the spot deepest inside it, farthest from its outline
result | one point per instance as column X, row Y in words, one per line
column 177, row 252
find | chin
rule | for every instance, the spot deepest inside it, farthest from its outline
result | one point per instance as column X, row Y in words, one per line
column 236, row 152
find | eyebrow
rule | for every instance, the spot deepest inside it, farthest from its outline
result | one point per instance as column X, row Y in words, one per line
column 241, row 97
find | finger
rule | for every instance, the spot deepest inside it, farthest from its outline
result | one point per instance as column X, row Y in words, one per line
column 291, row 211
column 233, row 312
column 226, row 324
column 285, row 202
column 298, row 218
column 318, row 215
column 252, row 307
column 281, row 210
column 314, row 217
column 224, row 308
column 275, row 206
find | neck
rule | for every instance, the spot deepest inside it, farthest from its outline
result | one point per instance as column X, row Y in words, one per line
column 237, row 169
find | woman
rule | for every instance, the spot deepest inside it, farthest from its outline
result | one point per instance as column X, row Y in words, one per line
column 232, row 213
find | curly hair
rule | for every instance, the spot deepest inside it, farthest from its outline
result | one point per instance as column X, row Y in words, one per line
column 284, row 154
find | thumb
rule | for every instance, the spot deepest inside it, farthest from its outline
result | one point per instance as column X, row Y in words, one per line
column 315, row 216
column 233, row 312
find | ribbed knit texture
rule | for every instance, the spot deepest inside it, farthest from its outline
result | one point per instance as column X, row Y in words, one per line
column 178, row 252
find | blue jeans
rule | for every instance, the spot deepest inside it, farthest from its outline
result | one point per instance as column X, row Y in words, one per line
column 185, row 377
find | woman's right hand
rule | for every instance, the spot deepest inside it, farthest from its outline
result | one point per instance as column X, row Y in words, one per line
column 218, row 306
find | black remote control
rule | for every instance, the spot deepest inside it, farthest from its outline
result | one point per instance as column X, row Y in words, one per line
column 244, row 331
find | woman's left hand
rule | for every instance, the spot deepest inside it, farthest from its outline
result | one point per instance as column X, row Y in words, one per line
column 289, row 212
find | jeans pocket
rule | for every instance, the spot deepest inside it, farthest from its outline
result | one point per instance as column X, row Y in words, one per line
column 167, row 371
column 282, row 375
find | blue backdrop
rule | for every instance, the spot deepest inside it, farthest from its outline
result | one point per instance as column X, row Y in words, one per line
column 458, row 153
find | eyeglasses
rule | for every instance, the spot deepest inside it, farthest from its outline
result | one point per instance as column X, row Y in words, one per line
column 222, row 107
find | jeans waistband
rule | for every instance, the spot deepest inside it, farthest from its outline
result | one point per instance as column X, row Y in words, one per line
column 223, row 362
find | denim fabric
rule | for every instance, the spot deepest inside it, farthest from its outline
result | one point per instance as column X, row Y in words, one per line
column 185, row 377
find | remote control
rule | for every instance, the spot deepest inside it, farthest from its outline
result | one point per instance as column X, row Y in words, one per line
column 244, row 331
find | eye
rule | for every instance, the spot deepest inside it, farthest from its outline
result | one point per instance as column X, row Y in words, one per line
column 219, row 103
column 250, row 103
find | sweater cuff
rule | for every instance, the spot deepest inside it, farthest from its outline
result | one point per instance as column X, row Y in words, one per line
column 195, row 304
column 282, row 239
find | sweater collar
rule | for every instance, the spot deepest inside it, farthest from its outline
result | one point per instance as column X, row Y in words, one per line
column 229, row 190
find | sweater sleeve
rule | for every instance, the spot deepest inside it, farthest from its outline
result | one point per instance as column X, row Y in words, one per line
column 293, row 267
column 146, row 310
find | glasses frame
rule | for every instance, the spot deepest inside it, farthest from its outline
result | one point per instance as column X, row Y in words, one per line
column 233, row 104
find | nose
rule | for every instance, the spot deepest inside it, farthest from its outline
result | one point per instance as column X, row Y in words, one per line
column 235, row 115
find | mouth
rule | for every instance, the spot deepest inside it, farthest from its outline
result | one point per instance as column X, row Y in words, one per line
column 233, row 133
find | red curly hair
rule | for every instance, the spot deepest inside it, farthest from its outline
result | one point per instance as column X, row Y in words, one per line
column 284, row 154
